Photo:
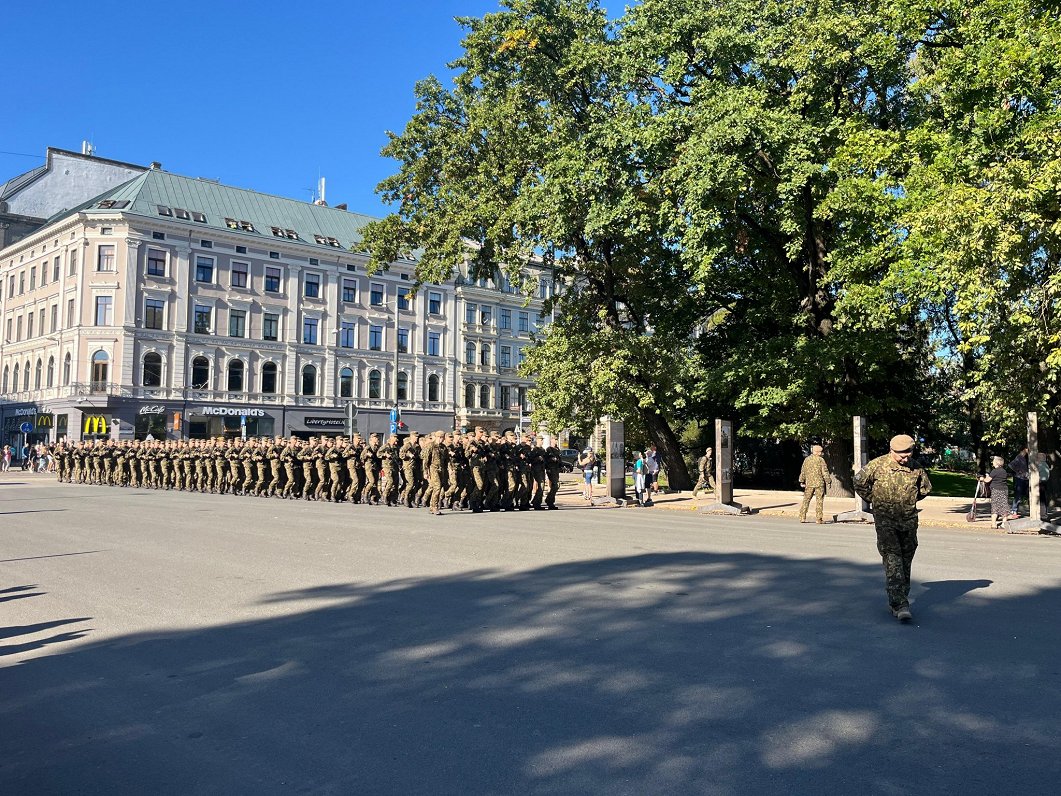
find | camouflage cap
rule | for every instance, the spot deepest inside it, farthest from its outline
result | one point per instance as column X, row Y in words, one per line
column 902, row 443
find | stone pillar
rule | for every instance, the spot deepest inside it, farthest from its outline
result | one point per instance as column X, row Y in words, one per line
column 1037, row 520
column 615, row 435
column 724, row 472
column 860, row 513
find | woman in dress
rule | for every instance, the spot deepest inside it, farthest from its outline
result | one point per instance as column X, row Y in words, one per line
column 997, row 478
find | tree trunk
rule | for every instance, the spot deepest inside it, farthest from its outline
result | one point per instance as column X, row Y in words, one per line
column 840, row 456
column 660, row 432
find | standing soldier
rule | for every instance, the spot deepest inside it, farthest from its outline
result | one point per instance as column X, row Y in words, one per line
column 452, row 493
column 121, row 464
column 276, row 470
column 553, row 460
column 388, row 455
column 421, row 494
column 476, row 455
column 305, row 456
column 434, row 468
column 334, row 457
column 370, row 460
column 354, row 470
column 892, row 486
column 165, row 464
column 537, row 465
column 247, row 460
column 321, row 466
column 706, row 472
column 813, row 477
column 410, row 456
column 292, row 468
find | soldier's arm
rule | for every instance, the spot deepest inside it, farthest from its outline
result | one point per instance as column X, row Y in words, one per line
column 925, row 486
column 864, row 483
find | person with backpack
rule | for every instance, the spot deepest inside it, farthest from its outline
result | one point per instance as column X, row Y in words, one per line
column 587, row 460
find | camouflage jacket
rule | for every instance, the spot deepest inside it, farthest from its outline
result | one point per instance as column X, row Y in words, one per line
column 815, row 472
column 892, row 488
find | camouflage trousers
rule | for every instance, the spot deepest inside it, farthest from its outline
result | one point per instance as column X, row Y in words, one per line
column 810, row 493
column 896, row 543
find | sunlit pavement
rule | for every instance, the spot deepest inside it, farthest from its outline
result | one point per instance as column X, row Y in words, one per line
column 174, row 643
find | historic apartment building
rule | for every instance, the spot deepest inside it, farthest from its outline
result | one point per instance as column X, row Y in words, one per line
column 179, row 307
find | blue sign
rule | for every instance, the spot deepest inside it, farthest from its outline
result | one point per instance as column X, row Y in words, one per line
column 394, row 415
column 26, row 428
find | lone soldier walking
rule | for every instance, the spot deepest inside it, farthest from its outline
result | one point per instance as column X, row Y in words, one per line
column 813, row 478
column 893, row 488
column 706, row 472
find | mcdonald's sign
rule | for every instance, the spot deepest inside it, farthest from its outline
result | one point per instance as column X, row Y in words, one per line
column 44, row 421
column 94, row 424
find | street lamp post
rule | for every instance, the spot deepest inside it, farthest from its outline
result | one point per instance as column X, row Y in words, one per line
column 397, row 335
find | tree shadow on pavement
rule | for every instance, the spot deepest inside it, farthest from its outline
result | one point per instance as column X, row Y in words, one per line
column 662, row 673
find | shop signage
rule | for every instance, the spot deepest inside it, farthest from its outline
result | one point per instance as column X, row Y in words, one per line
column 26, row 428
column 227, row 411
column 44, row 421
column 153, row 409
column 325, row 422
column 94, row 424
column 26, row 410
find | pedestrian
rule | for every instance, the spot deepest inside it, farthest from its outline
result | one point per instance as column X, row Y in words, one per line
column 705, row 472
column 1019, row 466
column 639, row 479
column 997, row 478
column 6, row 464
column 652, row 469
column 892, row 486
column 24, row 458
column 814, row 478
column 587, row 460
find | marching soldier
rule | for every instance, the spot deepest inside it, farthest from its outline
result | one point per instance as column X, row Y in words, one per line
column 334, row 458
column 370, row 460
column 354, row 470
column 553, row 461
column 410, row 456
column 388, row 455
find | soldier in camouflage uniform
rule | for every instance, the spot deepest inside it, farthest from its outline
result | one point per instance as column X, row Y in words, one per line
column 706, row 472
column 410, row 458
column 435, row 467
column 306, row 455
column 813, row 477
column 292, row 468
column 553, row 460
column 276, row 470
column 354, row 470
column 537, row 466
column 334, row 457
column 893, row 487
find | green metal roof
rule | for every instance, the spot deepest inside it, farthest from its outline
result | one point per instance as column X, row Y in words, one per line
column 146, row 192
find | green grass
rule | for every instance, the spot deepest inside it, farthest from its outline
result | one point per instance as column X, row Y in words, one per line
column 945, row 484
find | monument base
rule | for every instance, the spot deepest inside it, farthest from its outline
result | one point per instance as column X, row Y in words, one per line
column 608, row 501
column 1031, row 526
column 855, row 515
column 725, row 508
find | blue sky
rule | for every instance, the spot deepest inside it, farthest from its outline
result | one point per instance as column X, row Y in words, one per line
column 261, row 95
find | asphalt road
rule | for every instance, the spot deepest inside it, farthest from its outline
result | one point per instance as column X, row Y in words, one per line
column 173, row 643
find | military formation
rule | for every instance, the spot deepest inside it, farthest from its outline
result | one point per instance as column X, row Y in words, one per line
column 443, row 470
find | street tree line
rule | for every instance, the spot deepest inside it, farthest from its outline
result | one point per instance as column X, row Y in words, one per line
column 784, row 213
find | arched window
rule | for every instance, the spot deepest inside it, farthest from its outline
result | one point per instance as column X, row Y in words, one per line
column 235, row 375
column 100, row 370
column 346, row 383
column 375, row 385
column 469, row 396
column 6, row 374
column 403, row 386
column 38, row 374
column 66, row 371
column 309, row 380
column 484, row 355
column 51, row 371
column 269, row 378
column 25, row 376
column 432, row 387
column 484, row 396
column 200, row 373
column 152, row 370
column 469, row 353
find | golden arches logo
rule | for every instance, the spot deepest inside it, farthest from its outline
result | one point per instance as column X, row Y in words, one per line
column 44, row 421
column 95, row 424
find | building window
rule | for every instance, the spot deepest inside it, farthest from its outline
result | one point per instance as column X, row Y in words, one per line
column 156, row 262
column 71, row 268
column 312, row 285
column 375, row 385
column 44, row 274
column 270, row 326
column 524, row 322
column 25, row 376
column 11, row 286
column 349, row 291
column 469, row 353
column 100, row 370
column 346, row 383
column 152, row 370
column 66, row 371
column 204, row 269
column 158, row 235
column 14, row 383
column 484, row 355
column 434, row 344
column 71, row 309
column 55, row 270
column 237, row 323
column 238, row 274
column 51, row 371
column 346, row 335
column 486, row 315
column 403, row 386
column 469, row 396
column 8, row 337
column 55, row 318
column 202, row 319
column 521, row 356
column 104, row 311
column 403, row 298
column 434, row 303
column 309, row 380
column 21, row 282
column 32, row 277
column 241, row 250
column 376, row 296
column 375, row 338
column 29, row 325
column 470, row 313
column 484, row 396
column 6, row 374
column 505, row 360
column 235, row 375
column 403, row 341
column 200, row 373
column 153, row 313
column 505, row 400
column 38, row 375
column 105, row 258
column 309, row 331
column 18, row 329
column 273, row 277
column 504, row 319
column 269, row 378
column 432, row 388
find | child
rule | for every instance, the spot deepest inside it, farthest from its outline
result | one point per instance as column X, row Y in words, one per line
column 639, row 479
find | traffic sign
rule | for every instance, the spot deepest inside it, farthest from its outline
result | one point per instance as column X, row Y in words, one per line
column 26, row 428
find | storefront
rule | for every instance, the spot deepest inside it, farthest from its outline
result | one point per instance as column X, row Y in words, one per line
column 205, row 422
column 43, row 426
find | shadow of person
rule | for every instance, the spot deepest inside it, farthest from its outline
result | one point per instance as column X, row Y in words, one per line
column 941, row 592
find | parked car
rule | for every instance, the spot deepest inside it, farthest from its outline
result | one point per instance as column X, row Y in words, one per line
column 568, row 460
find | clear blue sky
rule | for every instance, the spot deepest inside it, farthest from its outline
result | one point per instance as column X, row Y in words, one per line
column 261, row 95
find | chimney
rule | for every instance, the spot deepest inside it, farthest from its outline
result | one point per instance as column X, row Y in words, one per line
column 156, row 166
column 341, row 206
column 87, row 148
